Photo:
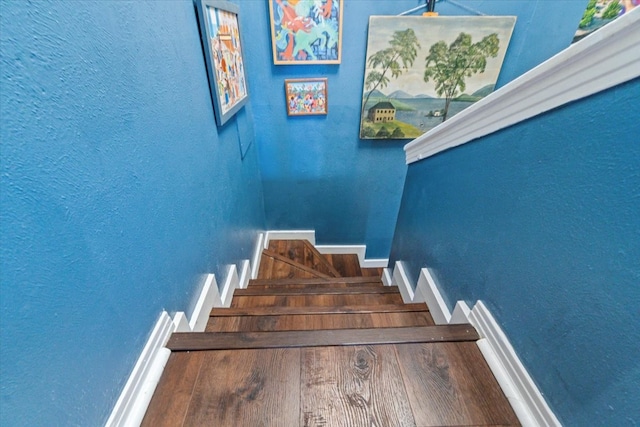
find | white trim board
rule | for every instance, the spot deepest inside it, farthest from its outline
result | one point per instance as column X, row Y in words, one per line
column 514, row 380
column 136, row 395
column 310, row 235
column 400, row 279
column 429, row 289
column 523, row 394
column 257, row 255
column 359, row 250
column 603, row 59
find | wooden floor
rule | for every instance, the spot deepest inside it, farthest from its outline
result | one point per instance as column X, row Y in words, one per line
column 318, row 341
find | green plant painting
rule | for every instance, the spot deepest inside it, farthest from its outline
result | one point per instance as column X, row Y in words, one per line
column 421, row 71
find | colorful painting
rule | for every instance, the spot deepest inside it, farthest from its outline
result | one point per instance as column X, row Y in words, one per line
column 306, row 31
column 306, row 96
column 600, row 12
column 220, row 35
column 420, row 71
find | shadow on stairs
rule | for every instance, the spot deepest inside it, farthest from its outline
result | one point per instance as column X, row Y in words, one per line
column 316, row 340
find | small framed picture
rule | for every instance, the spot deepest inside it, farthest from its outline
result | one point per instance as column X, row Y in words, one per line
column 306, row 96
column 220, row 35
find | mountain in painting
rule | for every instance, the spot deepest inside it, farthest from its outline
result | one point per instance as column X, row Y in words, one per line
column 375, row 94
column 399, row 94
column 477, row 95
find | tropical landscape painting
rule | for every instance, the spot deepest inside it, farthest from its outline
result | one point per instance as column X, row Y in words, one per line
column 600, row 12
column 421, row 71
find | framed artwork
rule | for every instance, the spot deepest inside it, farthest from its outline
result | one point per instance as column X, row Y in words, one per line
column 421, row 71
column 306, row 96
column 220, row 34
column 306, row 32
column 600, row 13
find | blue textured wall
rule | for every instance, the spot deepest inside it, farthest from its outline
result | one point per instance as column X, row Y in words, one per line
column 542, row 222
column 316, row 172
column 118, row 193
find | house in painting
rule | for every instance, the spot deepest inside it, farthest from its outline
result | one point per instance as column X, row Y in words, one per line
column 382, row 112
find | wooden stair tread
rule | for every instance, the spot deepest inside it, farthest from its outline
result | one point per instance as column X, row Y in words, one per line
column 324, row 289
column 336, row 281
column 317, row 255
column 189, row 341
column 346, row 264
column 278, row 311
column 305, row 322
column 277, row 257
column 303, row 252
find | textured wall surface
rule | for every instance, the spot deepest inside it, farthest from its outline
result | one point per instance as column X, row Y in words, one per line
column 316, row 172
column 118, row 194
column 542, row 222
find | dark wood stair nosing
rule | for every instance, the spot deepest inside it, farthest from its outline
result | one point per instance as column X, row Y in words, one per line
column 316, row 281
column 315, row 290
column 199, row 341
column 282, row 311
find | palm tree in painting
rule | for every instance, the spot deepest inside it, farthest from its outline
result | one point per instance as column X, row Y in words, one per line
column 390, row 62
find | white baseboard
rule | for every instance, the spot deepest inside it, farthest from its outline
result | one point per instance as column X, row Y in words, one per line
column 181, row 323
column 428, row 288
column 387, row 277
column 245, row 274
column 136, row 395
column 309, row 235
column 208, row 297
column 359, row 250
column 523, row 394
column 257, row 255
column 231, row 283
column 401, row 280
column 516, row 383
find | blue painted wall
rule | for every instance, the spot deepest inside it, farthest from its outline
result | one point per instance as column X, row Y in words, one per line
column 118, row 193
column 317, row 174
column 542, row 222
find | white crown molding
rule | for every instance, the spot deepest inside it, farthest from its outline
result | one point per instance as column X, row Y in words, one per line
column 604, row 59
column 523, row 394
column 137, row 392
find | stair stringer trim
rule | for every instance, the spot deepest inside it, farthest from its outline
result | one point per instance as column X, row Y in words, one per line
column 134, row 399
column 524, row 396
column 521, row 391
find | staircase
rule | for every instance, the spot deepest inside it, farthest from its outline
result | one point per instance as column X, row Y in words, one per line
column 316, row 340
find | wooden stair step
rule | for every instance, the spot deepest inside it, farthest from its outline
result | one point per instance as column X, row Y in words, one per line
column 341, row 281
column 316, row 300
column 347, row 264
column 283, row 259
column 189, row 341
column 305, row 322
column 303, row 252
column 280, row 311
column 324, row 289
